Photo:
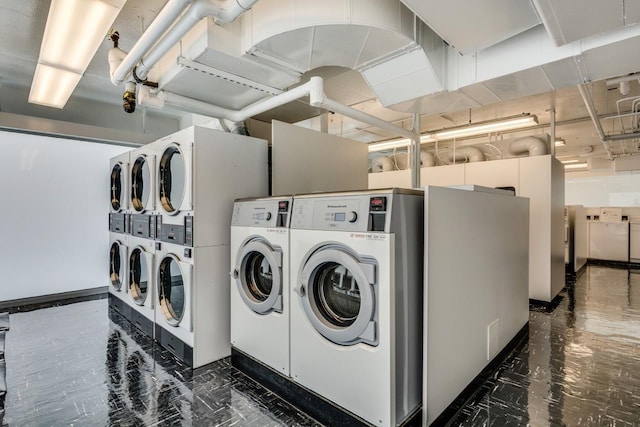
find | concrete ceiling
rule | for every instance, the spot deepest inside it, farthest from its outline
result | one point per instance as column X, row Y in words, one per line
column 22, row 24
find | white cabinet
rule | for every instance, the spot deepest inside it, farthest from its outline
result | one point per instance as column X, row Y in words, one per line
column 609, row 241
column 389, row 179
column 503, row 173
column 443, row 176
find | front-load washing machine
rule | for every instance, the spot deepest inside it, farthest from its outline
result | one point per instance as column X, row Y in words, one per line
column 118, row 256
column 200, row 172
column 260, row 280
column 192, row 302
column 119, row 193
column 356, row 301
column 141, row 267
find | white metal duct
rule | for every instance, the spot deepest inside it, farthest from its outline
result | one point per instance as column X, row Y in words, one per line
column 470, row 26
column 376, row 37
column 567, row 21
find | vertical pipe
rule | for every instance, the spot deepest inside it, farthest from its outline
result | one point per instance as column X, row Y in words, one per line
column 415, row 149
column 552, row 116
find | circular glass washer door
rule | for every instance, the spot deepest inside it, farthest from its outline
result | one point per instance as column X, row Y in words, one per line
column 258, row 275
column 117, row 262
column 171, row 290
column 117, row 184
column 338, row 293
column 172, row 177
column 140, row 185
column 139, row 275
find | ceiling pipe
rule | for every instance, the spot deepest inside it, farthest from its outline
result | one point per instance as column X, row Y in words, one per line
column 160, row 24
column 222, row 12
column 591, row 109
column 314, row 88
column 156, row 41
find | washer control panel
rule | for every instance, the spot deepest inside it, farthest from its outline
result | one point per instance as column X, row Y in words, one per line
column 347, row 213
column 271, row 213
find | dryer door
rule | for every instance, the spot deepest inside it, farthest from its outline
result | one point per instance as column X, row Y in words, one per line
column 140, row 270
column 174, row 292
column 141, row 184
column 117, row 263
column 258, row 275
column 117, row 187
column 174, row 183
column 338, row 292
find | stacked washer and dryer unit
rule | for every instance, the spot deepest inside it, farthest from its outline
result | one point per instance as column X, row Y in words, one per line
column 142, row 234
column 200, row 172
column 118, row 229
column 345, row 322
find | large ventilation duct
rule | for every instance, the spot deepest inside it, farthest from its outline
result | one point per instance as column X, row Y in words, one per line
column 427, row 159
column 465, row 154
column 398, row 55
column 528, row 145
column 382, row 164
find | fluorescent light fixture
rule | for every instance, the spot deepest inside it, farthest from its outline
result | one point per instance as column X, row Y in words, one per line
column 488, row 127
column 397, row 143
column 559, row 142
column 569, row 161
column 74, row 31
column 576, row 166
column 52, row 86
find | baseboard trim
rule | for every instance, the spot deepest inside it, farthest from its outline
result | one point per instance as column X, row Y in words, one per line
column 52, row 300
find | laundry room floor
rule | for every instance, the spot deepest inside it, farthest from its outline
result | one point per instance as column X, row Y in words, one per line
column 78, row 364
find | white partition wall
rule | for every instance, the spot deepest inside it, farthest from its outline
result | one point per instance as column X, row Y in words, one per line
column 305, row 161
column 54, row 222
column 475, row 287
column 541, row 179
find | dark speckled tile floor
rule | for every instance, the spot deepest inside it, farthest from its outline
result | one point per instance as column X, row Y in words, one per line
column 71, row 365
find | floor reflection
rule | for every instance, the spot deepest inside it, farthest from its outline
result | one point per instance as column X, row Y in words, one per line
column 125, row 378
column 580, row 366
column 80, row 364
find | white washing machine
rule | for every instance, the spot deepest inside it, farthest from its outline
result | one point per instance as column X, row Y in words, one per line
column 192, row 303
column 119, row 193
column 141, row 267
column 356, row 301
column 118, row 273
column 260, row 280
column 200, row 172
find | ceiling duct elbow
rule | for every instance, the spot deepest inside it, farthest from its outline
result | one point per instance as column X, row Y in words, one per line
column 376, row 38
column 382, row 164
column 427, row 159
column 531, row 145
column 465, row 154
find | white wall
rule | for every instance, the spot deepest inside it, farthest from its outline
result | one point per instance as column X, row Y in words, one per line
column 611, row 190
column 54, row 224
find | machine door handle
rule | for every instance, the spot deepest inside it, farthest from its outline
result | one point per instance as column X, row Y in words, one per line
column 235, row 273
column 301, row 291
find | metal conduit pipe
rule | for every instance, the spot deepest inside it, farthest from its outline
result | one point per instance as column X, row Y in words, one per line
column 314, row 88
column 160, row 24
column 528, row 145
column 591, row 109
column 222, row 12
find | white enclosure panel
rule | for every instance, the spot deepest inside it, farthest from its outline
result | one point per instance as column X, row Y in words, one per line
column 476, row 286
column 609, row 241
column 54, row 221
column 401, row 179
column 305, row 161
column 634, row 242
column 498, row 173
column 442, row 175
column 546, row 226
column 580, row 237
